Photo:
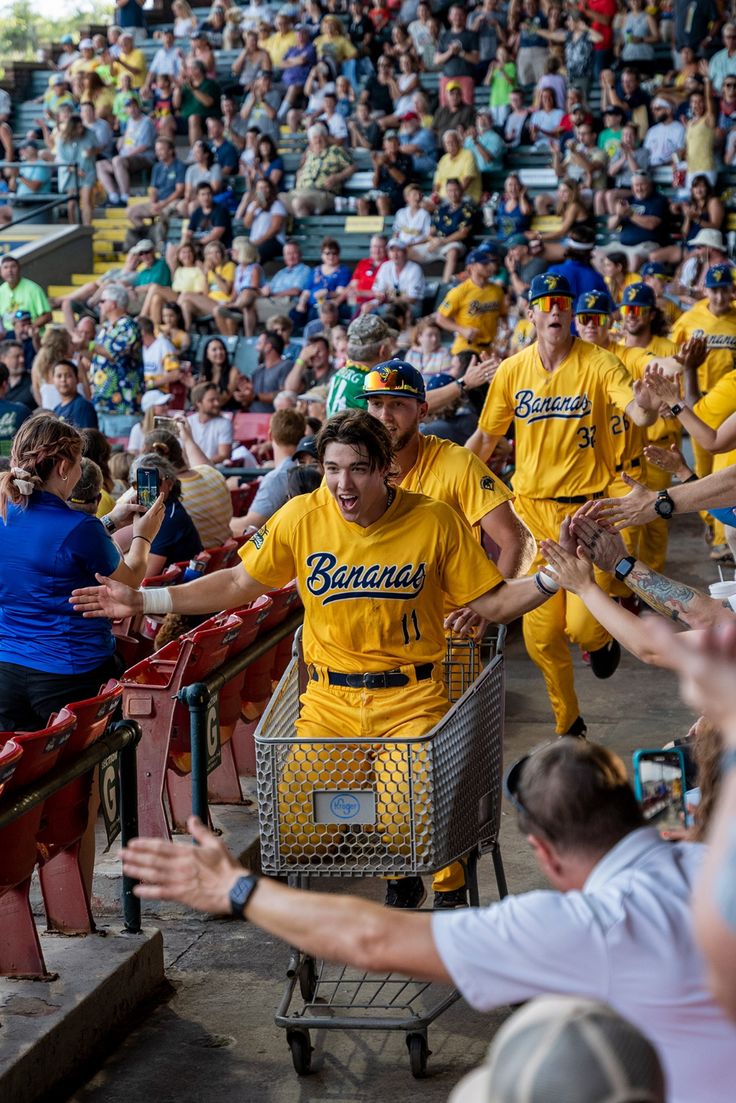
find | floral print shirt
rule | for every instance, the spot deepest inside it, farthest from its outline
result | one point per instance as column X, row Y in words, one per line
column 117, row 380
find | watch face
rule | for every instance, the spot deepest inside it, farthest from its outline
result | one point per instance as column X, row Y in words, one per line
column 664, row 507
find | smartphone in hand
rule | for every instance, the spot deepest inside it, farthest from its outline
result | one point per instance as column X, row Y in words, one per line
column 147, row 486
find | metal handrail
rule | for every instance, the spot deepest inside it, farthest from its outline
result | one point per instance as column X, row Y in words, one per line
column 51, row 200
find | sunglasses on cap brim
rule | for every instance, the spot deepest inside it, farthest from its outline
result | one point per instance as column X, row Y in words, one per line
column 547, row 303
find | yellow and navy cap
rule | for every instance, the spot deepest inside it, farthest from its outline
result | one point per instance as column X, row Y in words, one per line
column 549, row 284
column 638, row 294
column 396, row 378
column 720, row 275
column 594, row 302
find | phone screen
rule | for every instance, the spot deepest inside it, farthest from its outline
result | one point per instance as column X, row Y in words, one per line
column 170, row 424
column 147, row 486
column 659, row 779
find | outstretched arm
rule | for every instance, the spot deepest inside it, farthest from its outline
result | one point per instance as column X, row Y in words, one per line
column 716, row 491
column 514, row 539
column 339, row 928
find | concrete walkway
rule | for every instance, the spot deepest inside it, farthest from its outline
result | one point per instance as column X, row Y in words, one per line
column 214, row 1038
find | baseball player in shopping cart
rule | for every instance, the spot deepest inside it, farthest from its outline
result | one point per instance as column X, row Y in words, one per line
column 558, row 393
column 374, row 564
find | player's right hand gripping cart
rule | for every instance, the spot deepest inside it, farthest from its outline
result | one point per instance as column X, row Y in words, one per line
column 355, row 808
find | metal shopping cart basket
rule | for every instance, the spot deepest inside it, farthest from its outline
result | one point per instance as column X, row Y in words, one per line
column 357, row 808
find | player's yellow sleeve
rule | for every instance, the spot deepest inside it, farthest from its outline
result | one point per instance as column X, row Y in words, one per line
column 618, row 383
column 464, row 570
column 451, row 302
column 269, row 556
column 498, row 408
column 719, row 403
column 478, row 490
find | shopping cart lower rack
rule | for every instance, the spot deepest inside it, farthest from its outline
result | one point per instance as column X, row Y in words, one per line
column 358, row 808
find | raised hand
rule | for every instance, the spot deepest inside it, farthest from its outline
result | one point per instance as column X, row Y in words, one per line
column 573, row 571
column 692, row 352
column 669, row 459
column 635, row 508
column 666, row 389
column 598, row 544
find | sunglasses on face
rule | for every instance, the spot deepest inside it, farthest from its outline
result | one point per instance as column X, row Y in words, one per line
column 592, row 319
column 547, row 303
column 635, row 311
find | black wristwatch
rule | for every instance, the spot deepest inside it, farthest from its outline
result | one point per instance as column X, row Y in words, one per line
column 677, row 409
column 624, row 567
column 241, row 893
column 109, row 524
column 664, row 506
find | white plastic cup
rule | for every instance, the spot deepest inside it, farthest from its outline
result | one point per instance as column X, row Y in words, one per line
column 722, row 589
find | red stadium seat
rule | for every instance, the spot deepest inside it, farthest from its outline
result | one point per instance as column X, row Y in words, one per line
column 20, row 949
column 69, row 814
column 251, row 427
column 130, row 643
column 10, row 755
column 243, row 497
column 149, row 696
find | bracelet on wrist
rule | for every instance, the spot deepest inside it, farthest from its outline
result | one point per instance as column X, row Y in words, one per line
column 138, row 536
column 545, row 584
column 108, row 524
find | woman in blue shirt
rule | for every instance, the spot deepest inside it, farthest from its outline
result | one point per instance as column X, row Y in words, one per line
column 49, row 655
column 329, row 280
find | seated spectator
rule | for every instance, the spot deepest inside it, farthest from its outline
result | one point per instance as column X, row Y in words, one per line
column 486, row 145
column 617, row 275
column 285, row 433
column 26, row 337
column 391, row 172
column 220, row 275
column 452, row 225
column 33, row 178
column 261, row 104
column 723, row 63
column 177, row 540
column 196, row 97
column 211, row 432
column 266, row 165
column 360, row 287
column 330, row 117
column 216, row 368
column 264, row 216
column 545, row 120
column 271, row 374
column 630, row 157
column 155, row 350
column 87, row 491
column 569, row 209
column 516, row 127
column 282, row 291
column 329, row 280
column 703, row 211
column 204, row 491
column 141, row 268
column 427, row 354
column 609, row 138
column 553, row 80
column 204, row 169
column 17, row 292
column 97, row 447
column 413, row 222
column 56, row 344
column 168, row 59
column 153, row 404
column 399, row 280
column 419, row 142
column 321, row 177
column 514, row 212
column 577, row 264
column 332, row 43
column 12, row 414
column 644, row 221
column 364, row 131
column 233, row 127
column 457, row 164
column 296, row 63
column 455, row 113
column 73, row 407
column 135, row 152
column 116, row 371
column 705, row 250
column 188, row 276
column 666, row 139
column 584, row 163
column 251, row 61
column 165, row 192
column 312, row 367
column 627, row 95
column 248, row 278
column 524, row 260
column 20, row 381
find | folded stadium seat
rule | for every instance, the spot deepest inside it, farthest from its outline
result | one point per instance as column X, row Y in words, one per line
column 258, row 681
column 243, row 496
column 223, row 784
column 149, row 696
column 10, row 756
column 66, row 841
column 251, row 428
column 20, row 949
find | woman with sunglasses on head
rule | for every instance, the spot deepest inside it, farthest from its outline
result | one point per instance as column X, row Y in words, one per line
column 329, row 280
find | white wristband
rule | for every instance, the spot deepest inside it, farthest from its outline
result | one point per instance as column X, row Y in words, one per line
column 157, row 600
column 549, row 582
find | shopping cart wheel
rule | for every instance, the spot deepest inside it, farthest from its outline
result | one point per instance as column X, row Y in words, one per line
column 308, row 979
column 418, row 1053
column 301, row 1051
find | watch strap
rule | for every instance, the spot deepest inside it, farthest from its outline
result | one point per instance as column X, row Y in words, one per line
column 624, row 567
column 241, row 893
column 676, row 409
column 109, row 524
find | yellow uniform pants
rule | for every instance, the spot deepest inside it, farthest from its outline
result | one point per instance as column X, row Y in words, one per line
column 341, row 713
column 654, row 535
column 631, row 536
column 549, row 629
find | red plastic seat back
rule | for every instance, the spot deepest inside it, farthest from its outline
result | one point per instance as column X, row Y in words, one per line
column 251, row 427
column 93, row 716
column 169, row 577
column 224, row 556
column 10, row 755
column 243, row 497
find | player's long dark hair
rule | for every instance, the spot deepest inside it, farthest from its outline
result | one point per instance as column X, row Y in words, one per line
column 357, row 428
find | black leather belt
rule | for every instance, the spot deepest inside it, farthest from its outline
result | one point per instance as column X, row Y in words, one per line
column 386, row 679
column 631, row 463
column 579, row 499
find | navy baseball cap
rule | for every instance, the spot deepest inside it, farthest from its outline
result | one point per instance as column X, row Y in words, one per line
column 484, row 254
column 594, row 302
column 306, row 446
column 396, row 378
column 653, row 268
column 720, row 275
column 638, row 294
column 441, row 379
column 549, row 284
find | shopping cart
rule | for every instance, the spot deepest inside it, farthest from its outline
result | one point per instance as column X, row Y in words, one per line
column 355, row 808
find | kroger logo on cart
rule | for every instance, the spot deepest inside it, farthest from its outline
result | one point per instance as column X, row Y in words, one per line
column 344, row 806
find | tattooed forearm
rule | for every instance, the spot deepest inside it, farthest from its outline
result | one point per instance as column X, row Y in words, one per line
column 664, row 595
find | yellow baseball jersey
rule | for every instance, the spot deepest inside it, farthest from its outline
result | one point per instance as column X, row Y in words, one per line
column 373, row 597
column 714, row 408
column 664, row 428
column 563, row 444
column 720, row 334
column 629, row 439
column 448, row 473
column 524, row 334
column 480, row 307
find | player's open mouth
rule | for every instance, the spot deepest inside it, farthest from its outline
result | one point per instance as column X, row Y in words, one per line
column 348, row 502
